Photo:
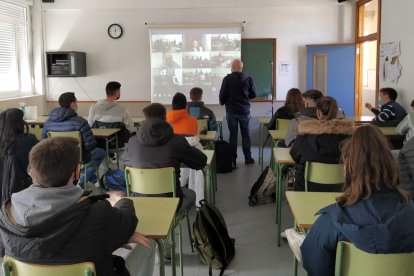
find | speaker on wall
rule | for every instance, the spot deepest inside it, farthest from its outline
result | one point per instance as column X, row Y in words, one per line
column 340, row 1
column 48, row 1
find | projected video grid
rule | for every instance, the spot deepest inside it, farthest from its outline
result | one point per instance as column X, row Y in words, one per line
column 182, row 61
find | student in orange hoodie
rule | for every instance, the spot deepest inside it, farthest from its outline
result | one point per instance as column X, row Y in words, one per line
column 179, row 118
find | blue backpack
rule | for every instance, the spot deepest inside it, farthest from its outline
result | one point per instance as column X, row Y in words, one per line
column 113, row 180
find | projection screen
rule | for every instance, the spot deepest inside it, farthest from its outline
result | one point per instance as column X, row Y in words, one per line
column 183, row 58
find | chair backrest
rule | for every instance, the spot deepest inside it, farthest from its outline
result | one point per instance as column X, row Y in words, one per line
column 351, row 261
column 150, row 181
column 73, row 134
column 17, row 268
column 36, row 131
column 202, row 124
column 282, row 124
column 322, row 173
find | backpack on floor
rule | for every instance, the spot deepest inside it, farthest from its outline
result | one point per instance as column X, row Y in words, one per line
column 224, row 156
column 211, row 238
column 113, row 180
column 263, row 190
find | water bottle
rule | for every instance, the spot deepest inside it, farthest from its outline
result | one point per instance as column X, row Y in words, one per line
column 22, row 107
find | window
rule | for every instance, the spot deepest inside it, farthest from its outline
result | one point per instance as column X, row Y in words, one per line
column 15, row 68
column 367, row 43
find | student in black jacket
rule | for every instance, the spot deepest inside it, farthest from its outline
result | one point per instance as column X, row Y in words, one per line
column 293, row 104
column 156, row 146
column 319, row 141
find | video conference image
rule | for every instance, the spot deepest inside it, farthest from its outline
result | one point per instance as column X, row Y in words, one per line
column 189, row 58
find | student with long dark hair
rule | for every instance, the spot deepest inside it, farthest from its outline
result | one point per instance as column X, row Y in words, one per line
column 293, row 104
column 373, row 212
column 319, row 141
column 15, row 144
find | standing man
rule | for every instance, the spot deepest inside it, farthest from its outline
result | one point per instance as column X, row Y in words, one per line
column 236, row 91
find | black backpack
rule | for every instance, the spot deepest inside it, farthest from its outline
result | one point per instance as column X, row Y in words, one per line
column 263, row 190
column 211, row 238
column 224, row 156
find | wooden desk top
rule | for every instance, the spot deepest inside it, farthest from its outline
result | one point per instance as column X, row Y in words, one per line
column 39, row 121
column 104, row 132
column 155, row 215
column 278, row 134
column 363, row 119
column 210, row 155
column 282, row 155
column 304, row 205
column 210, row 136
column 264, row 120
column 389, row 131
column 138, row 120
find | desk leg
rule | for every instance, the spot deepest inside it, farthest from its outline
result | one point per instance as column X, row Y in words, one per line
column 220, row 127
column 160, row 245
column 174, row 272
column 261, row 145
column 295, row 261
column 279, row 202
column 116, row 150
column 208, row 186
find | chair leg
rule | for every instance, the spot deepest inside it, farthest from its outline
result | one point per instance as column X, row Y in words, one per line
column 180, row 246
column 189, row 230
column 174, row 272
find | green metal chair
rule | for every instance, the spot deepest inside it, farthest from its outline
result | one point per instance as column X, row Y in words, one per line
column 76, row 134
column 153, row 182
column 282, row 124
column 36, row 131
column 323, row 173
column 12, row 267
column 351, row 261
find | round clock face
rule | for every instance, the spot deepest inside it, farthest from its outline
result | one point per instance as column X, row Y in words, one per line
column 115, row 31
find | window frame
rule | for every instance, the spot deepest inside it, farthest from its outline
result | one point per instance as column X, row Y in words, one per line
column 28, row 22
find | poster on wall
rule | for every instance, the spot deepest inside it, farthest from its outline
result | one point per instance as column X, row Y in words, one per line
column 390, row 67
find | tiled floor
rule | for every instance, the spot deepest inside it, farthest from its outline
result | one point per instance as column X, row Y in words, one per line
column 253, row 228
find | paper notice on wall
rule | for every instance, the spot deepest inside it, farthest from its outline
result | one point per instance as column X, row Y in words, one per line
column 390, row 67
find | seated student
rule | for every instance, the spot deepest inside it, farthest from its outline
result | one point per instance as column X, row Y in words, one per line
column 52, row 223
column 373, row 213
column 197, row 109
column 293, row 104
column 391, row 112
column 156, row 146
column 308, row 113
column 319, row 141
column 406, row 126
column 110, row 114
column 65, row 118
column 15, row 144
column 179, row 118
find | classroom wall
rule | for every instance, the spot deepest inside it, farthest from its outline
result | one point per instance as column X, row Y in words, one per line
column 82, row 26
column 396, row 25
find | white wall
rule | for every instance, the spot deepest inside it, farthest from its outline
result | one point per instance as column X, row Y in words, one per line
column 397, row 25
column 82, row 26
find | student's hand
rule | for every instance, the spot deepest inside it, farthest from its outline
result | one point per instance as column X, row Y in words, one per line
column 115, row 196
column 138, row 239
column 368, row 105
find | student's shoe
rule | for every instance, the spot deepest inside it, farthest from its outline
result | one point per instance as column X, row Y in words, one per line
column 249, row 161
column 295, row 240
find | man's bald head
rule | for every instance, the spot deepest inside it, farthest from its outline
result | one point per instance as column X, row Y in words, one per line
column 237, row 65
